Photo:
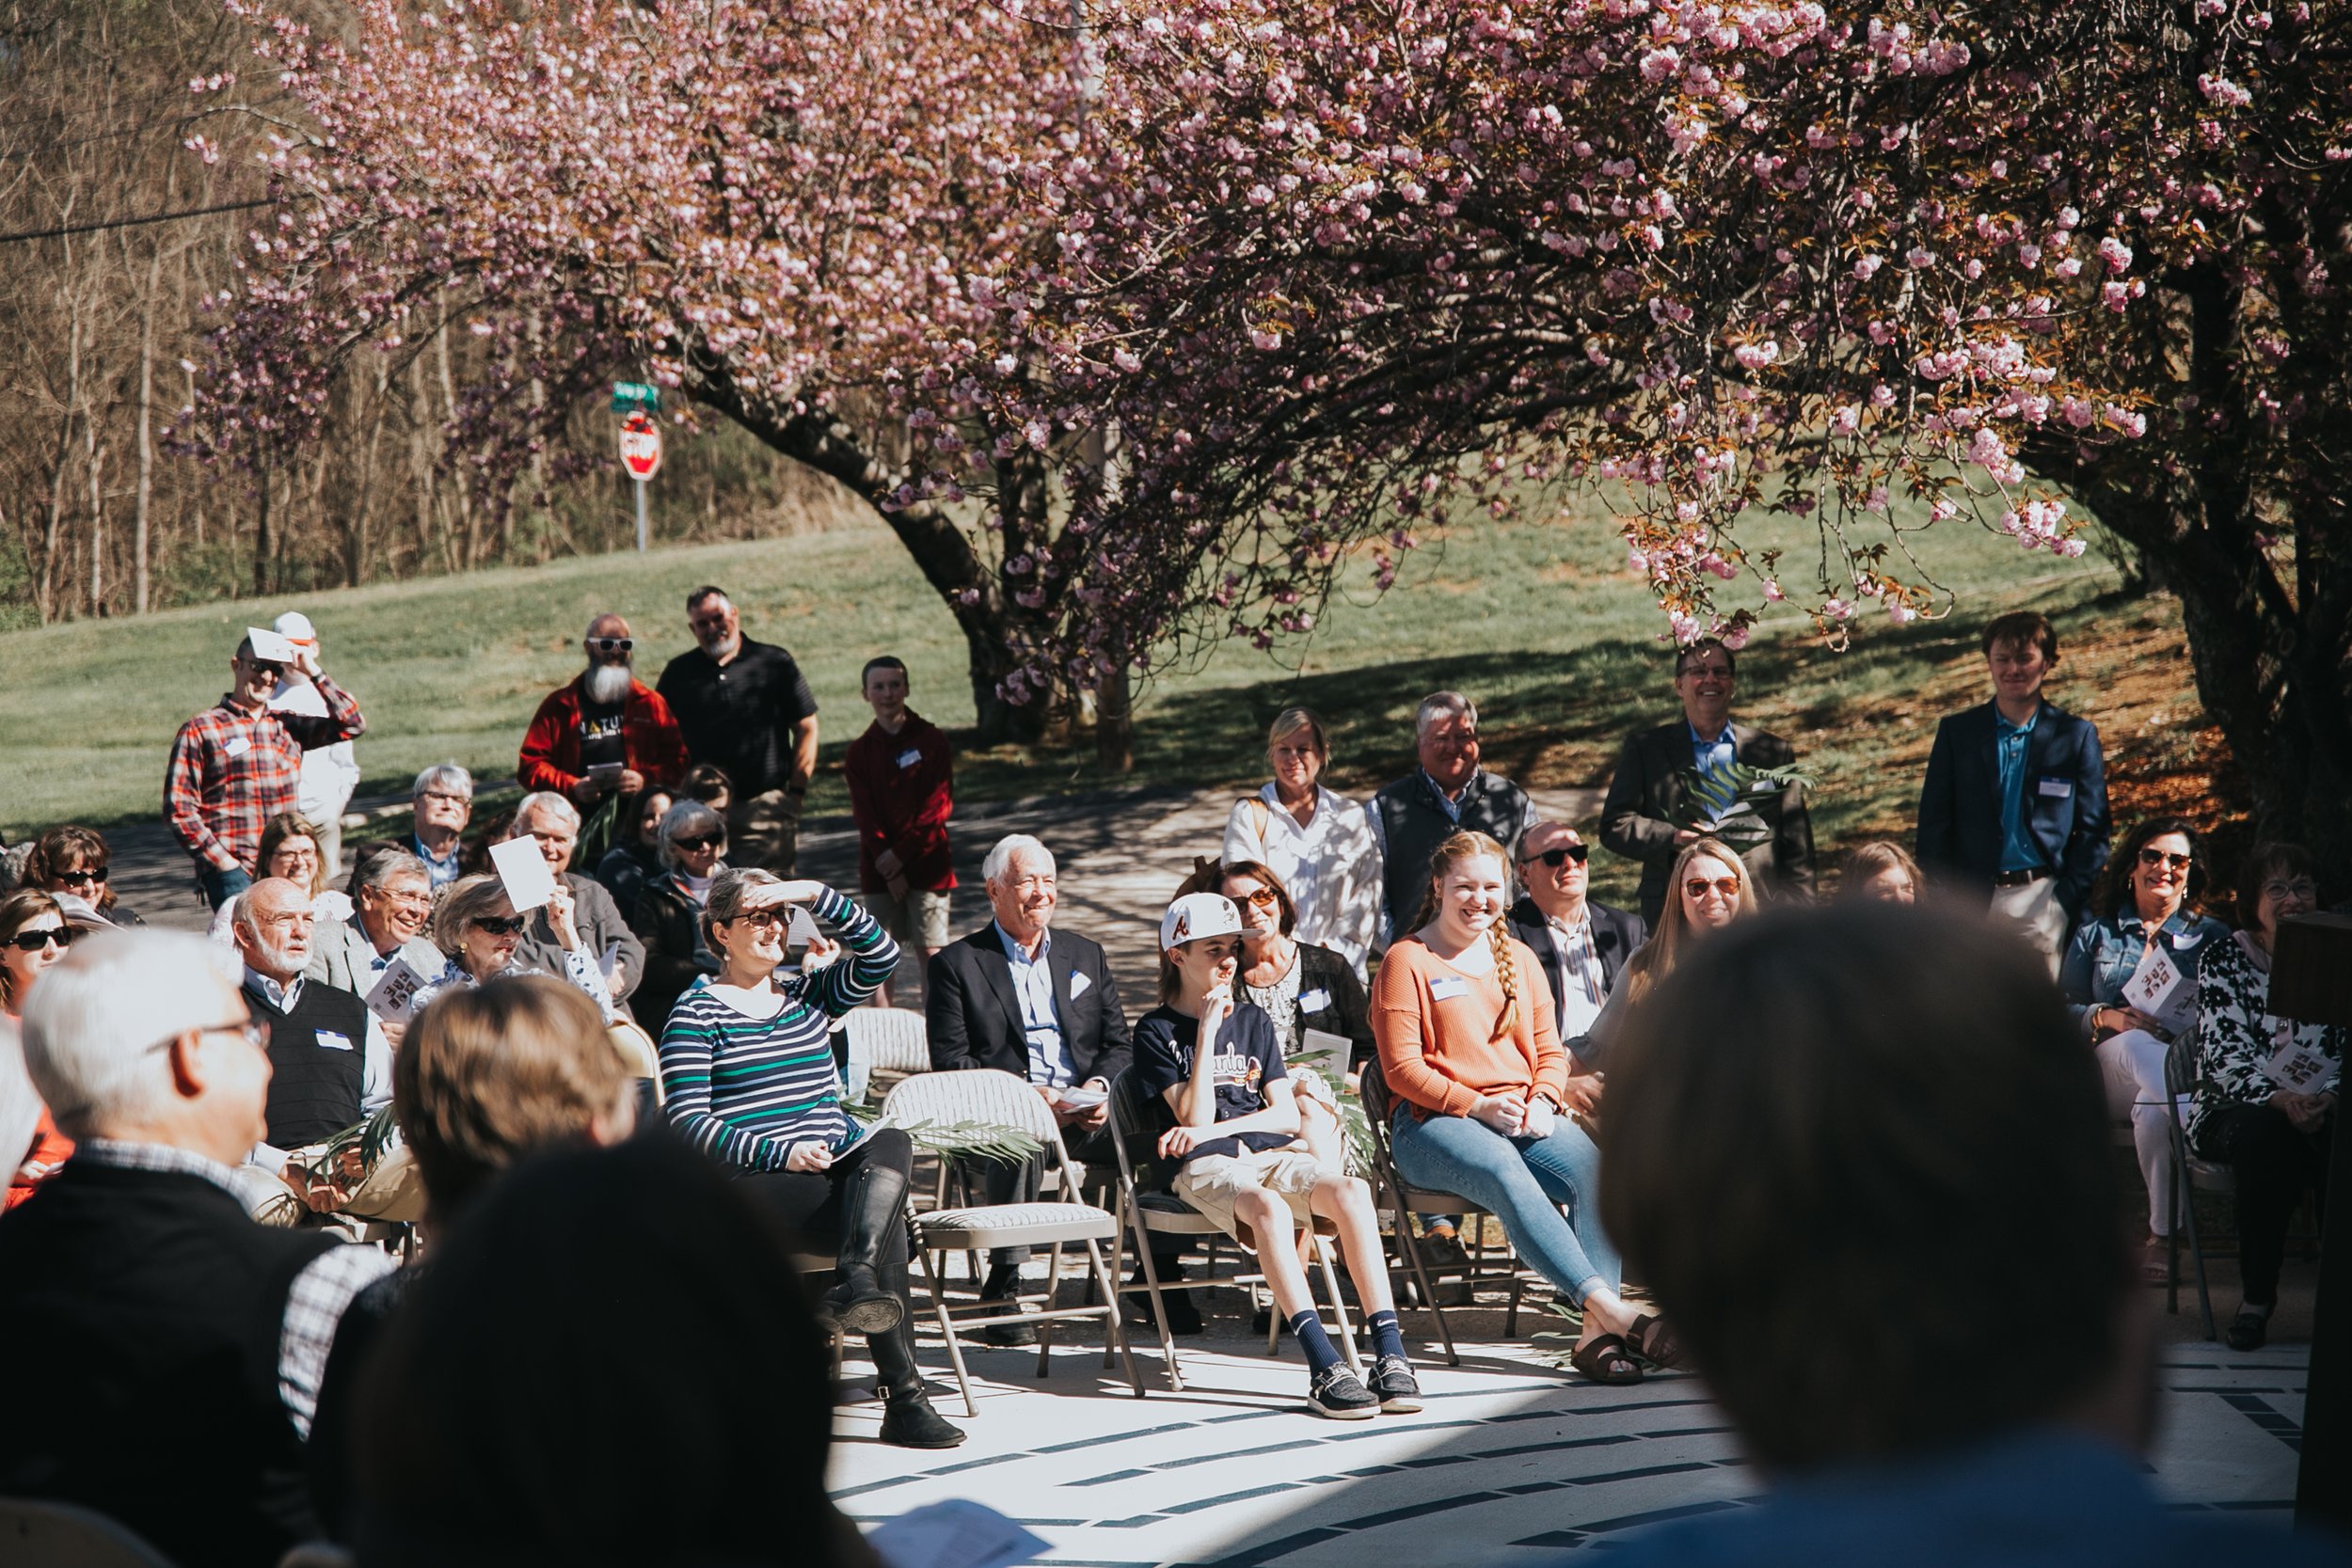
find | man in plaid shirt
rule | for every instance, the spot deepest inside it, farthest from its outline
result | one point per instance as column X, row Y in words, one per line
column 237, row 765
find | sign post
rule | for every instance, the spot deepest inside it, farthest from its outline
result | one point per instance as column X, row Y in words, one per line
column 641, row 442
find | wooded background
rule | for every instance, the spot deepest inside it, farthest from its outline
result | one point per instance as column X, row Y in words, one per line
column 115, row 234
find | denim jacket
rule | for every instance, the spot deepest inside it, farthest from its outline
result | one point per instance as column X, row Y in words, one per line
column 2106, row 951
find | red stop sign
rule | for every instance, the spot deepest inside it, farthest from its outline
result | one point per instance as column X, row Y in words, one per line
column 641, row 447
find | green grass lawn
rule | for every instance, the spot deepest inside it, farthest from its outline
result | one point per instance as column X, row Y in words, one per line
column 1541, row 623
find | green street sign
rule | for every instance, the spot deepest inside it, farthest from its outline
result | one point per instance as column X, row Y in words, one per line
column 629, row 395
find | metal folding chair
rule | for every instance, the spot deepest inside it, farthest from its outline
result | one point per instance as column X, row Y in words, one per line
column 1148, row 1209
column 984, row 1095
column 1406, row 1202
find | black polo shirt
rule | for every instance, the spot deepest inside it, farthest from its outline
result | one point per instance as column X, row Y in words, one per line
column 739, row 716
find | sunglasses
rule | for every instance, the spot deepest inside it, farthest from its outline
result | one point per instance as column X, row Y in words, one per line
column 266, row 667
column 82, row 875
column 1556, row 858
column 2152, row 857
column 761, row 919
column 613, row 644
column 500, row 924
column 33, row 942
column 701, row 842
column 1264, row 898
column 1728, row 888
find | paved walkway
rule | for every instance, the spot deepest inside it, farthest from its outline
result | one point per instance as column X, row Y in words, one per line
column 1511, row 1458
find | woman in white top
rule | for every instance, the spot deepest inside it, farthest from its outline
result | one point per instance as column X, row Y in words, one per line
column 1319, row 844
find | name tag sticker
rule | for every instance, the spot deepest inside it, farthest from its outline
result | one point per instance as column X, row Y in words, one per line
column 1080, row 986
column 1445, row 987
column 2056, row 788
column 333, row 1041
column 909, row 757
column 236, row 745
column 1313, row 1001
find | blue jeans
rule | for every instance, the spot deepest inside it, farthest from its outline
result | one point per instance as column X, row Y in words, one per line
column 1521, row 1182
column 221, row 886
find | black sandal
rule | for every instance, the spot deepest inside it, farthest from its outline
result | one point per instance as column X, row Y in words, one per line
column 1606, row 1361
column 1653, row 1341
column 2247, row 1330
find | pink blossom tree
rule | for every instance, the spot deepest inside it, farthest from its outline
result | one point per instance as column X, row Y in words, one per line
column 770, row 208
column 1332, row 272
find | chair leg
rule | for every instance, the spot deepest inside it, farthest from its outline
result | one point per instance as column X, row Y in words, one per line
column 947, row 1327
column 1410, row 1246
column 1116, row 1328
column 1046, row 1327
column 1510, row 1319
column 1338, row 1308
column 2197, row 1257
column 1151, row 1287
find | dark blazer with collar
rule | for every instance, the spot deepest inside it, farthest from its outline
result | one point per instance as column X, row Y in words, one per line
column 2066, row 801
column 1616, row 933
column 1637, row 816
column 974, row 1016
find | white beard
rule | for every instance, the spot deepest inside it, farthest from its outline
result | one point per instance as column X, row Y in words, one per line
column 607, row 684
column 720, row 648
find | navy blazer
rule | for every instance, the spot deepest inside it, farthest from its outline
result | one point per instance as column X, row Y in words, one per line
column 973, row 1014
column 1616, row 934
column 2066, row 801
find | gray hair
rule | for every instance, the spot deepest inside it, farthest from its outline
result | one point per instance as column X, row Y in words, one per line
column 685, row 819
column 378, row 870
column 467, row 899
column 93, row 1024
column 1000, row 856
column 730, row 892
column 544, row 800
column 1444, row 704
column 445, row 776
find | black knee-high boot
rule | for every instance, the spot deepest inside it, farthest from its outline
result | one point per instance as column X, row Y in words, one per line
column 873, row 1231
column 908, row 1420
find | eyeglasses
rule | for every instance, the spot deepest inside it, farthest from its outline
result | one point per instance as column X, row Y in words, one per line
column 1265, row 897
column 613, row 644
column 1726, row 888
column 255, row 1032
column 85, row 874
column 500, row 924
column 701, row 842
column 1553, row 858
column 2304, row 889
column 446, row 797
column 33, row 942
column 1708, row 673
column 2150, row 856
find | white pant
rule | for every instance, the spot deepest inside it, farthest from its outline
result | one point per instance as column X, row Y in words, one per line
column 2035, row 908
column 2133, row 1063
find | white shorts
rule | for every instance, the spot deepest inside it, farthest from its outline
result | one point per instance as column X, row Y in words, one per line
column 1211, row 1182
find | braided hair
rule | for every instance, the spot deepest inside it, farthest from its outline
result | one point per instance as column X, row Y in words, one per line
column 1469, row 845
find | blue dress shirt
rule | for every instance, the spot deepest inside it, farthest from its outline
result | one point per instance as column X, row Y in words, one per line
column 2019, row 852
column 1041, row 1025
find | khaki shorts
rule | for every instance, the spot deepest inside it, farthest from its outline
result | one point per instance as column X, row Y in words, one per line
column 918, row 920
column 1211, row 1182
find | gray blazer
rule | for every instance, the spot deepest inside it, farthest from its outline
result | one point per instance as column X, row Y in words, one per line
column 342, row 955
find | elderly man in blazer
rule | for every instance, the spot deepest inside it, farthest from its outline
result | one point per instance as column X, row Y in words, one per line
column 390, row 908
column 1652, row 782
column 1582, row 945
column 1018, row 996
column 2015, row 803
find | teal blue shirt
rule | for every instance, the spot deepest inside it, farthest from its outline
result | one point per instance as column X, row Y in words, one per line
column 2019, row 852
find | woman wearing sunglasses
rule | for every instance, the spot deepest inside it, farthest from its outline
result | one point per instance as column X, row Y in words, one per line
column 1299, row 984
column 668, row 918
column 32, row 936
column 73, row 859
column 748, row 1078
column 477, row 930
column 2146, row 927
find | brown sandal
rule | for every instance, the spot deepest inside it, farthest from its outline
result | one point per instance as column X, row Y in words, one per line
column 1606, row 1361
column 1653, row 1341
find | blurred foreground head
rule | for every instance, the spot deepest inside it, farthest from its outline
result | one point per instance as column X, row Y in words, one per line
column 609, row 1362
column 1841, row 1144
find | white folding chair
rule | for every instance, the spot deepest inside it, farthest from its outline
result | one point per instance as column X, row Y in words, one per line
column 998, row 1099
column 887, row 1044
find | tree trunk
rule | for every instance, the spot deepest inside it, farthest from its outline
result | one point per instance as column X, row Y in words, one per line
column 1115, row 717
column 260, row 540
column 142, row 506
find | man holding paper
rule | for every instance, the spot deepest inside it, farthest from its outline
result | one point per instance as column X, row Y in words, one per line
column 392, row 905
column 238, row 763
column 604, row 732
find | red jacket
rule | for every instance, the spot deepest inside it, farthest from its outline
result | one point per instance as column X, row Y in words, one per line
column 901, row 793
column 550, row 755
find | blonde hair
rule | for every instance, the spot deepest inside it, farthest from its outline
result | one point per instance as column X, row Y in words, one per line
column 1464, row 846
column 1659, row 956
column 467, row 899
column 1292, row 721
column 492, row 1072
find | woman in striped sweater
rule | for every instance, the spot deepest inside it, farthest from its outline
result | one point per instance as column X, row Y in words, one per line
column 748, row 1077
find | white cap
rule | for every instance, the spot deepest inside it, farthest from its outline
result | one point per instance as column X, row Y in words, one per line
column 294, row 626
column 1196, row 916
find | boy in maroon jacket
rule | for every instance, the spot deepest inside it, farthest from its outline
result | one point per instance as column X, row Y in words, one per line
column 900, row 779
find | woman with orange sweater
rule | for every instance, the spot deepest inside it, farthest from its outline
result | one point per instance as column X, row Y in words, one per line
column 1470, row 1051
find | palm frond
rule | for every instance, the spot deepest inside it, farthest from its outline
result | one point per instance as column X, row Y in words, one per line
column 961, row 1140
